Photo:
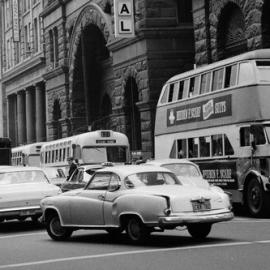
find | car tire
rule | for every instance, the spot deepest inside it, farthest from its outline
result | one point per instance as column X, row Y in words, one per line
column 55, row 230
column 256, row 200
column 136, row 230
column 199, row 230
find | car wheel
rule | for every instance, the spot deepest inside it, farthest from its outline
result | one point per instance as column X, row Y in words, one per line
column 55, row 230
column 136, row 230
column 199, row 230
column 255, row 198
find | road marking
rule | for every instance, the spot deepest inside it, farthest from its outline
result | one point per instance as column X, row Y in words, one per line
column 249, row 220
column 87, row 257
column 20, row 235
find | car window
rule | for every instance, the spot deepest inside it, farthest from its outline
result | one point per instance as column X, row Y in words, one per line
column 100, row 181
column 150, row 179
column 114, row 183
column 183, row 169
column 20, row 177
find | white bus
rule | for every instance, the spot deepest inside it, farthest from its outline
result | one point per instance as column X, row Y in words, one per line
column 93, row 147
column 26, row 155
column 219, row 117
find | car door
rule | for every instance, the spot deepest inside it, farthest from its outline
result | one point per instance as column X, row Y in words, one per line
column 87, row 206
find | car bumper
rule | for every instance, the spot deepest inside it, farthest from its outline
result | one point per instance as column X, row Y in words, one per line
column 200, row 217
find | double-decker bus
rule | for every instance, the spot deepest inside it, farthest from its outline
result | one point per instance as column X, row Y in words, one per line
column 5, row 151
column 93, row 147
column 26, row 155
column 219, row 117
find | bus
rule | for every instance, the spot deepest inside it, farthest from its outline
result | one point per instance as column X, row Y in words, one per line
column 219, row 117
column 94, row 147
column 26, row 155
column 5, row 151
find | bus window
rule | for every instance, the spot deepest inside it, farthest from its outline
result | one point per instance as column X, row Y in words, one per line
column 197, row 86
column 228, row 146
column 264, row 70
column 244, row 136
column 165, row 95
column 230, row 76
column 217, row 79
column 171, row 88
column 181, row 90
column 205, row 83
column 173, row 150
column 64, row 154
column 217, row 145
column 246, row 75
column 191, row 87
column 258, row 133
column 205, row 146
column 182, row 148
column 193, row 147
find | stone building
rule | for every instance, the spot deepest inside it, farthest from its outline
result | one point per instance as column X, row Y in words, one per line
column 81, row 77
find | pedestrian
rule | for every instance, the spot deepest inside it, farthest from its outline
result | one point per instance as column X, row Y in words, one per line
column 72, row 166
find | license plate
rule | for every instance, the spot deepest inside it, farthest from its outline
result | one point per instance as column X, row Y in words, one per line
column 201, row 206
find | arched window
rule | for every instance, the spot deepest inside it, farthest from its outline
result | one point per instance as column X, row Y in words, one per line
column 231, row 38
column 133, row 118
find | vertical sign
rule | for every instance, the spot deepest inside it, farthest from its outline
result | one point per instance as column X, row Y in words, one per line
column 124, row 18
column 15, row 21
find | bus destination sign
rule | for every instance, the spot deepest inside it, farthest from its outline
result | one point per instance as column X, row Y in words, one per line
column 105, row 141
column 200, row 111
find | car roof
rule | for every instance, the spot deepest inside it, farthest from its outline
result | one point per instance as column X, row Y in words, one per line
column 125, row 170
column 4, row 169
column 170, row 161
column 92, row 166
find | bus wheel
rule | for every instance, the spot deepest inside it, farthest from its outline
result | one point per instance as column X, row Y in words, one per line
column 255, row 198
column 199, row 231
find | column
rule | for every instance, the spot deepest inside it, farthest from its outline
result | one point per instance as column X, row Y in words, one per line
column 30, row 115
column 21, row 124
column 12, row 118
column 40, row 113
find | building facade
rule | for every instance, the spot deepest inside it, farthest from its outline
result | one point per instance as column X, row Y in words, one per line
column 68, row 73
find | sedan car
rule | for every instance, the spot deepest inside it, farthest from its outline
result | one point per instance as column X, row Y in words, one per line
column 79, row 177
column 137, row 199
column 21, row 189
column 187, row 172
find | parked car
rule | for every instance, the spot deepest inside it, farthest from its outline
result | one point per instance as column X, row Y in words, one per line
column 21, row 189
column 187, row 171
column 80, row 177
column 138, row 199
column 55, row 175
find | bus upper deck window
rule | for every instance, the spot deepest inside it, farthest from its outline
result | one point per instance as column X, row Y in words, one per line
column 181, row 90
column 205, row 146
column 164, row 97
column 246, row 74
column 171, row 88
column 217, row 79
column 217, row 148
column 263, row 70
column 205, row 83
column 191, row 87
column 230, row 76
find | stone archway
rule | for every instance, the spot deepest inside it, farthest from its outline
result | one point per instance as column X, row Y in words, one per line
column 265, row 22
column 231, row 38
column 88, row 66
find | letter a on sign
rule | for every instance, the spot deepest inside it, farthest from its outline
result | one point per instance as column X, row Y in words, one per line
column 124, row 18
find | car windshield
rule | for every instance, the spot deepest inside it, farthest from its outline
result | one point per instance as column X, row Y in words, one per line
column 20, row 177
column 183, row 169
column 151, row 179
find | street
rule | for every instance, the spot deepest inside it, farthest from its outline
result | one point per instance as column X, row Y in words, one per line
column 242, row 243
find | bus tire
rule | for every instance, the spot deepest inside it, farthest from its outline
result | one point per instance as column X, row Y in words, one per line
column 256, row 200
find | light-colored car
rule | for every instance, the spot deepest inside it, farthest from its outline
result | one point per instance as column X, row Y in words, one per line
column 80, row 177
column 55, row 175
column 21, row 189
column 137, row 199
column 187, row 171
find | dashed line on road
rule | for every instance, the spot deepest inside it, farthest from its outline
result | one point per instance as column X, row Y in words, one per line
column 95, row 256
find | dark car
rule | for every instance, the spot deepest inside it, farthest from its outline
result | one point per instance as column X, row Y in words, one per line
column 80, row 177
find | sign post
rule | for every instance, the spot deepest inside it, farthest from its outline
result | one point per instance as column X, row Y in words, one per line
column 124, row 18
